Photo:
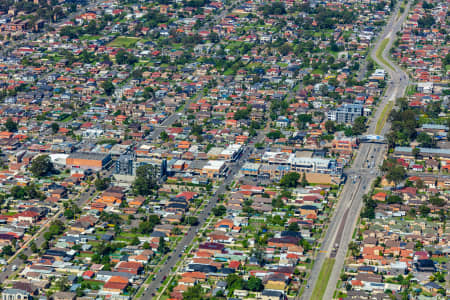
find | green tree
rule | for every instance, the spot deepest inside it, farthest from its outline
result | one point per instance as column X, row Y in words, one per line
column 285, row 49
column 91, row 28
column 101, row 184
column 10, row 125
column 275, row 8
column 219, row 210
column 194, row 293
column 354, row 249
column 416, row 152
column 396, row 174
column 303, row 120
column 276, row 134
column 146, row 226
column 359, row 126
column 424, row 210
column 437, row 201
column 277, row 202
column 394, row 199
column 108, row 87
column 72, row 211
column 7, row 250
column 69, row 214
column 369, row 207
column 176, row 231
column 27, row 192
column 330, row 126
column 213, row 37
column 306, row 245
column 62, row 284
column 55, row 127
column 41, row 166
column 146, row 180
column 135, row 241
column 426, row 21
column 33, row 247
column 304, row 182
column 254, row 284
column 56, row 227
column 148, row 92
column 426, row 140
column 235, row 282
column 125, row 58
column 293, row 227
column 290, row 180
column 191, row 220
column 164, row 136
column 162, row 247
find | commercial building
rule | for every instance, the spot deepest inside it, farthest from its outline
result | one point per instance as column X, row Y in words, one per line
column 407, row 153
column 83, row 160
column 300, row 164
column 127, row 164
column 315, row 165
column 344, row 145
column 214, row 168
column 250, row 169
column 346, row 113
column 232, row 152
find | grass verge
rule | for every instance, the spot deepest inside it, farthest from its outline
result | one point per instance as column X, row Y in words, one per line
column 124, row 41
column 384, row 116
column 322, row 281
column 379, row 53
column 139, row 293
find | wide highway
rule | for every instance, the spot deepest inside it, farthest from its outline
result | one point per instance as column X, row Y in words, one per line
column 362, row 173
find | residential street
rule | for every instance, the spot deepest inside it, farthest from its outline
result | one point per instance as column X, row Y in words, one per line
column 38, row 238
column 188, row 239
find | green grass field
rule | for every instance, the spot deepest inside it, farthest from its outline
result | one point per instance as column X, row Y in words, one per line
column 322, row 281
column 384, row 115
column 379, row 53
column 123, row 41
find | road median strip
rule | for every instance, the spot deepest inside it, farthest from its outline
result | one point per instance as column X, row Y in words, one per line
column 384, row 116
column 322, row 281
column 379, row 54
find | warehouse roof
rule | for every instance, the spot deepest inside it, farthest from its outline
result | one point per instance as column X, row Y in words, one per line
column 90, row 156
